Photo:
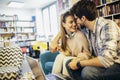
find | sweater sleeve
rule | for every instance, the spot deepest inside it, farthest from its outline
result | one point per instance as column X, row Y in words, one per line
column 108, row 54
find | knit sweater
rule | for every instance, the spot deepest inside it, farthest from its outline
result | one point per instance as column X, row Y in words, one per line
column 78, row 46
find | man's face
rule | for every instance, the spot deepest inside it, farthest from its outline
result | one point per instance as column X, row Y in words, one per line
column 78, row 21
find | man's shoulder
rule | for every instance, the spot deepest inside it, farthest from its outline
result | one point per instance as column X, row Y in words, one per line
column 105, row 24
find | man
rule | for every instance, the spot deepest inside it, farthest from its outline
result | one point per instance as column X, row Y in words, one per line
column 104, row 38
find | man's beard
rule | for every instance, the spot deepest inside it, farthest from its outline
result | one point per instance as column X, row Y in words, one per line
column 82, row 27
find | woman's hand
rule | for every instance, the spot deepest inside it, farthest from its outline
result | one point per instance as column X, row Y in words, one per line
column 55, row 45
column 54, row 48
column 73, row 64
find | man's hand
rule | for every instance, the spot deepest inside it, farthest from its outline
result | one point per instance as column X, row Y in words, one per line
column 73, row 64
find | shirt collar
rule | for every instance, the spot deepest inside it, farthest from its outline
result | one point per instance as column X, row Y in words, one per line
column 95, row 25
column 69, row 36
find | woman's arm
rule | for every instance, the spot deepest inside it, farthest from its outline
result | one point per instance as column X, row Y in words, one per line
column 85, row 51
column 55, row 45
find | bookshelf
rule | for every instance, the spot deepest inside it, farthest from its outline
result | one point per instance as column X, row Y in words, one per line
column 19, row 31
column 109, row 9
column 7, row 29
column 64, row 5
column 25, row 32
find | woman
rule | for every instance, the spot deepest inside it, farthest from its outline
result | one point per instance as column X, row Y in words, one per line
column 73, row 43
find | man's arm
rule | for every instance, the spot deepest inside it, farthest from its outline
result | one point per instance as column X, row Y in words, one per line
column 91, row 62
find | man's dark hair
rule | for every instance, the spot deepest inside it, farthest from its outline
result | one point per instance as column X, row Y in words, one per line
column 85, row 8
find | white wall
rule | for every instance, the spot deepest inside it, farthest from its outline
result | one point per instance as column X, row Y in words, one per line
column 23, row 14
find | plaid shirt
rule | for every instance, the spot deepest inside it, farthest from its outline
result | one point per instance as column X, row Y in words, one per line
column 105, row 41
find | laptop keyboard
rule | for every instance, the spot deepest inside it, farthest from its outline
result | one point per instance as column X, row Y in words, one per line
column 63, row 77
column 52, row 77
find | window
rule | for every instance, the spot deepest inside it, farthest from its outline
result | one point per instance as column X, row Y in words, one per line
column 46, row 21
column 50, row 21
column 53, row 19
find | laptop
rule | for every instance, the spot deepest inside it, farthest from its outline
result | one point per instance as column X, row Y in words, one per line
column 39, row 73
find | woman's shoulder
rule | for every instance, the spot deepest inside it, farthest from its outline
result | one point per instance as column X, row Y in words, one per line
column 79, row 33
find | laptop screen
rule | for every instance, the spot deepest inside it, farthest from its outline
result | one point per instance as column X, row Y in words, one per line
column 39, row 73
column 36, row 68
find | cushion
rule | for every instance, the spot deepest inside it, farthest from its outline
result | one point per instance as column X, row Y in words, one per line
column 9, row 73
column 48, row 66
column 10, row 56
column 10, row 62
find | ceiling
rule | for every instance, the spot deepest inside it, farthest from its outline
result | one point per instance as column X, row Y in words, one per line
column 29, row 4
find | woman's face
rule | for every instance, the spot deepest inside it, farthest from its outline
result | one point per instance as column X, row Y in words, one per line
column 70, row 25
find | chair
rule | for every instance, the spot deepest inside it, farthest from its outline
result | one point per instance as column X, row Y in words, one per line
column 10, row 62
column 47, row 60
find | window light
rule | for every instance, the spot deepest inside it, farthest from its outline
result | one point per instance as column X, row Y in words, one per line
column 16, row 4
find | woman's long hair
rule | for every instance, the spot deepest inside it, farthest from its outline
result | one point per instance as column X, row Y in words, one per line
column 63, row 31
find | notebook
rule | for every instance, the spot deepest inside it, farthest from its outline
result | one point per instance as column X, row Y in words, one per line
column 39, row 73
